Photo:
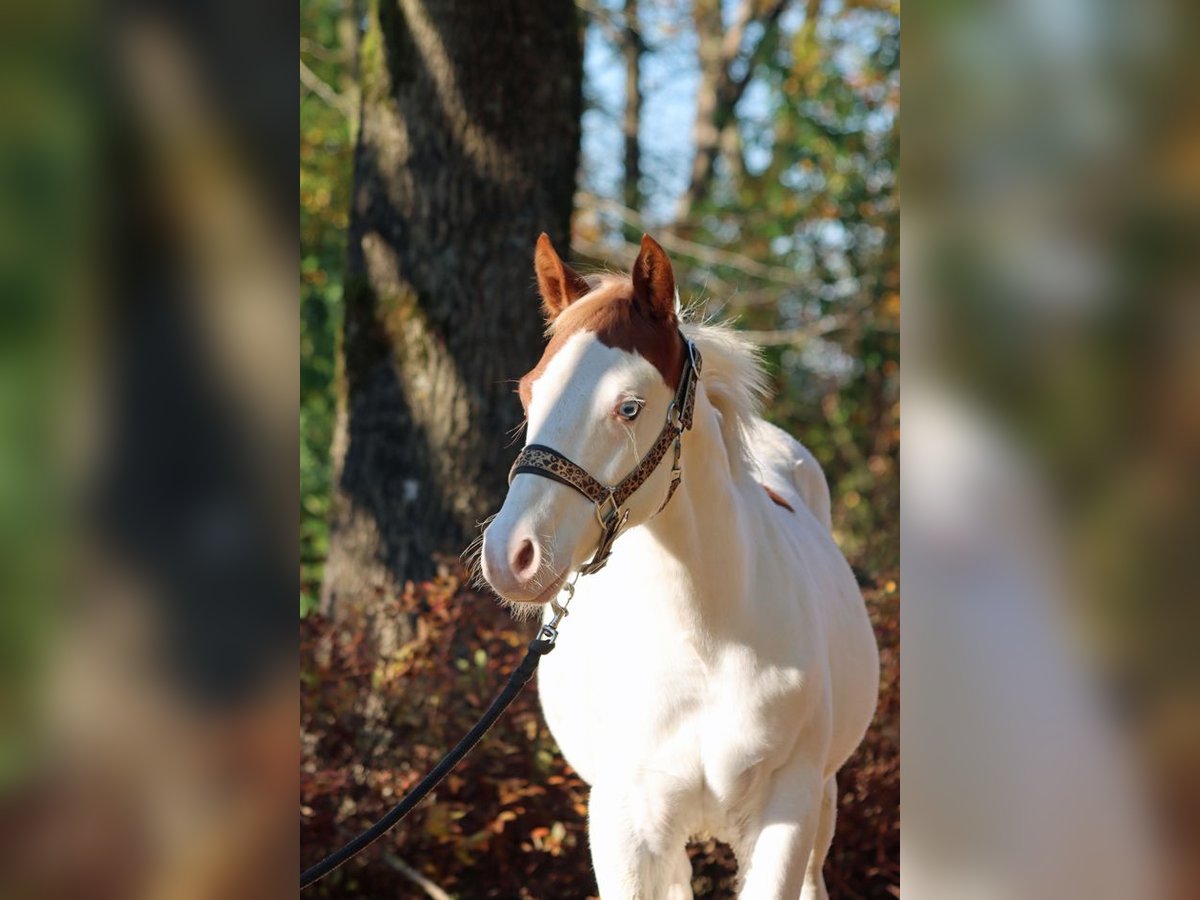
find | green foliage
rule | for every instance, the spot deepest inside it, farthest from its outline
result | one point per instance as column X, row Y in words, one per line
column 326, row 144
column 816, row 195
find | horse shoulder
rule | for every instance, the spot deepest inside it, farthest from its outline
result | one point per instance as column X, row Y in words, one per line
column 812, row 628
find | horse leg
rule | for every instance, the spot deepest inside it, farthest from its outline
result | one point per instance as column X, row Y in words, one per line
column 630, row 863
column 680, row 866
column 814, row 878
column 782, row 841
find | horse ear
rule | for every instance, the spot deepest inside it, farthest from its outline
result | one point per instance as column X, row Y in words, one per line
column 560, row 285
column 653, row 281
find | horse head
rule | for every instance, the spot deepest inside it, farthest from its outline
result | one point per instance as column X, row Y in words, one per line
column 595, row 407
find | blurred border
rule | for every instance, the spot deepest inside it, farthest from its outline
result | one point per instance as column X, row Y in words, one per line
column 1050, row 330
column 148, row 461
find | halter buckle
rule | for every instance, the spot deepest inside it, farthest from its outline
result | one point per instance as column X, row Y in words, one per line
column 610, row 527
column 675, row 416
column 560, row 609
column 605, row 518
column 549, row 630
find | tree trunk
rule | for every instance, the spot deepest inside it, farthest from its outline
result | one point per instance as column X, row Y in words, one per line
column 631, row 48
column 720, row 90
column 467, row 150
column 706, row 127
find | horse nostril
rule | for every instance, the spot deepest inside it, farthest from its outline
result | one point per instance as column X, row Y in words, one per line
column 525, row 558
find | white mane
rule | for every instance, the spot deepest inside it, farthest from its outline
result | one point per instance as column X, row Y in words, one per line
column 733, row 378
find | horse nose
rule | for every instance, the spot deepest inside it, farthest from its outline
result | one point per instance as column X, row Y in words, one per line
column 524, row 560
column 510, row 564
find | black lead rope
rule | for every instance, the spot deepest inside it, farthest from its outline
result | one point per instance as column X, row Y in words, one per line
column 679, row 419
column 538, row 648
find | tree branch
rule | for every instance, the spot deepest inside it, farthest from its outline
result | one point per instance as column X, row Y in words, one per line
column 431, row 890
column 796, row 336
column 770, row 18
column 312, row 48
column 609, row 24
column 720, row 91
column 332, row 98
column 692, row 250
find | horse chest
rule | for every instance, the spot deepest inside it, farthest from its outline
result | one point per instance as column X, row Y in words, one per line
column 693, row 727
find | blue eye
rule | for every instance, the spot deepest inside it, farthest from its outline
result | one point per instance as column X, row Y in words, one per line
column 629, row 409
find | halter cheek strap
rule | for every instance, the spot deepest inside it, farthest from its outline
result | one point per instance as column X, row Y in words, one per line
column 609, row 500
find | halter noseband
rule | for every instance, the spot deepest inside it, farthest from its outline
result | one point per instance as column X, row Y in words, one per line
column 538, row 459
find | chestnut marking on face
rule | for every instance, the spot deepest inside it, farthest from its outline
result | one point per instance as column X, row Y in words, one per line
column 611, row 312
column 634, row 313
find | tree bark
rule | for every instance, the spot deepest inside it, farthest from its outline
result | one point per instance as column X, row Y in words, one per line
column 467, row 150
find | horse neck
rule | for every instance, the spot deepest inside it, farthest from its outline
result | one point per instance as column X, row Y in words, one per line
column 702, row 528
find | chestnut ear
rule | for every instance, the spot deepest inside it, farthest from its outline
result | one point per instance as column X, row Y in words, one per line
column 560, row 285
column 654, row 282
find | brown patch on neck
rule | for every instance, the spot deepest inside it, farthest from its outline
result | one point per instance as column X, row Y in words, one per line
column 609, row 312
column 777, row 500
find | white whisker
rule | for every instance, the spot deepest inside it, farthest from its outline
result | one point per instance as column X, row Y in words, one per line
column 633, row 450
column 472, row 556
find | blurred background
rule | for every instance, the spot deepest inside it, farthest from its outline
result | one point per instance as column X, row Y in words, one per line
column 1051, row 402
column 148, row 388
column 757, row 140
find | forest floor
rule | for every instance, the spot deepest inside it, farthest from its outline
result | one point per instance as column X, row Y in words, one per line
column 510, row 822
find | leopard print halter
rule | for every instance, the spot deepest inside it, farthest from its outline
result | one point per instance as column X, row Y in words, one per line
column 609, row 500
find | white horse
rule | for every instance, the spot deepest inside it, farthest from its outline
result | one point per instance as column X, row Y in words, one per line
column 716, row 674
